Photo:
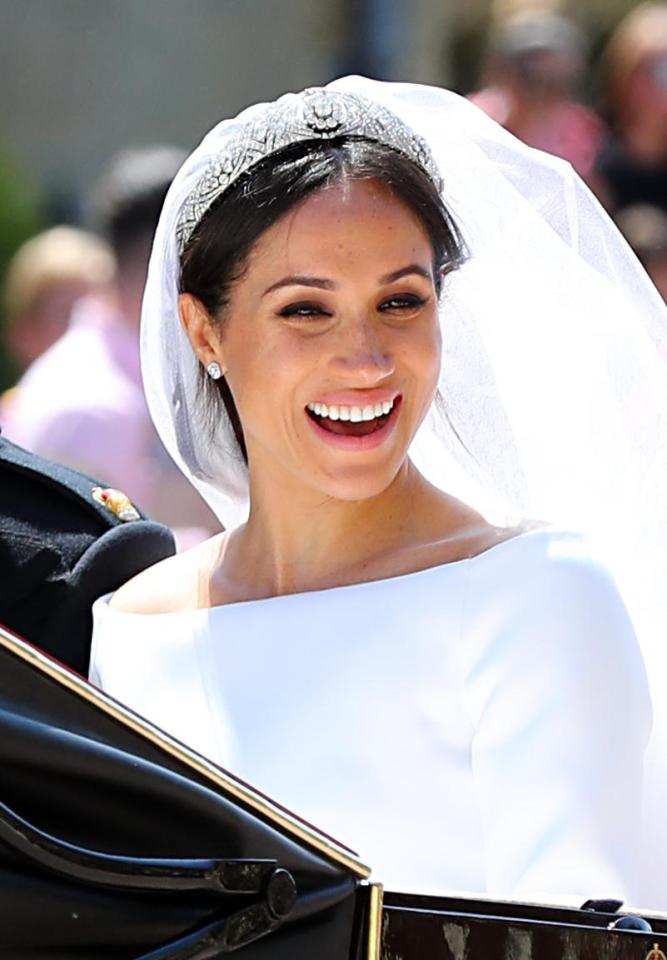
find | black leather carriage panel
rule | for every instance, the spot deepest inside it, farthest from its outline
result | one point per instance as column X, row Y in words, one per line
column 74, row 773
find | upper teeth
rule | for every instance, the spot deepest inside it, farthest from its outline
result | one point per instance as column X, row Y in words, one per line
column 355, row 414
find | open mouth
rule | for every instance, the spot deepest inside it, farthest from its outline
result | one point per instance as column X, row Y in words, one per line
column 352, row 421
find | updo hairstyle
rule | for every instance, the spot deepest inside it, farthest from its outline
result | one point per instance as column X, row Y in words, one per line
column 216, row 254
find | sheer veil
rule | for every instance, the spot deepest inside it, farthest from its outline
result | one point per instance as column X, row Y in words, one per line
column 553, row 386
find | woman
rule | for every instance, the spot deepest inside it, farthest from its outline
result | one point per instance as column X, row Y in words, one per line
column 436, row 688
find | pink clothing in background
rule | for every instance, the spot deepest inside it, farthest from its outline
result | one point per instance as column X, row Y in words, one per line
column 566, row 129
column 82, row 403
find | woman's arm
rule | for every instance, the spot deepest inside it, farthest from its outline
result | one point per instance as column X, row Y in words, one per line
column 558, row 699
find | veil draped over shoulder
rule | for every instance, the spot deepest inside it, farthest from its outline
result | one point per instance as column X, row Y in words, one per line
column 553, row 384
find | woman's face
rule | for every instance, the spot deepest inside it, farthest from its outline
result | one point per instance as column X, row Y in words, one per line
column 331, row 341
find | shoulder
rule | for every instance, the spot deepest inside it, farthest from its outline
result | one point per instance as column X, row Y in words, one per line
column 545, row 619
column 547, row 593
column 535, row 572
column 62, row 545
column 544, row 555
column 547, row 598
column 170, row 586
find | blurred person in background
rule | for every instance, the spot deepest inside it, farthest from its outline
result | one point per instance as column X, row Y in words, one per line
column 633, row 164
column 46, row 276
column 82, row 402
column 645, row 229
column 535, row 65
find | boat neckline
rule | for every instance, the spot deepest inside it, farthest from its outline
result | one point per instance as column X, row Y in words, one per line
column 422, row 572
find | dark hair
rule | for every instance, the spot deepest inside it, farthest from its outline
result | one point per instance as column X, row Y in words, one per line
column 127, row 200
column 217, row 251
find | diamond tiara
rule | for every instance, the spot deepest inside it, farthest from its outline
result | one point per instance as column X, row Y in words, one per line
column 314, row 114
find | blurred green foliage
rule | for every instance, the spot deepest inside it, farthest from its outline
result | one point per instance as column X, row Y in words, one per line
column 20, row 217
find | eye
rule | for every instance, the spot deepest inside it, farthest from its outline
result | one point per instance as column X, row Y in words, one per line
column 402, row 301
column 303, row 310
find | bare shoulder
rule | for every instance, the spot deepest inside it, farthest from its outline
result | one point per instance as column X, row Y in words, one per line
column 170, row 586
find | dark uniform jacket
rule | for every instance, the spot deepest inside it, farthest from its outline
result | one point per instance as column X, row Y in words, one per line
column 62, row 545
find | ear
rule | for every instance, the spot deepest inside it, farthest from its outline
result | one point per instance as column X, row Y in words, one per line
column 201, row 330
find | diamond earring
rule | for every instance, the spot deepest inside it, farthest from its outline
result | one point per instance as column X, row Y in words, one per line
column 214, row 370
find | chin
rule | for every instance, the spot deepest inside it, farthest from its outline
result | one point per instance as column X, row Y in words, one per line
column 359, row 486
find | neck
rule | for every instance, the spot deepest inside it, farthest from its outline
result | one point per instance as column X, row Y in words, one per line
column 297, row 539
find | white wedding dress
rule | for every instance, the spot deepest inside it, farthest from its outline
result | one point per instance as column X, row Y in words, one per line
column 478, row 726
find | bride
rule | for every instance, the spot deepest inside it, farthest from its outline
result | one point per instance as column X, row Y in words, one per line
column 373, row 336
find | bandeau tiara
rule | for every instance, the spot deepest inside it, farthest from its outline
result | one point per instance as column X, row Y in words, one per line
column 315, row 114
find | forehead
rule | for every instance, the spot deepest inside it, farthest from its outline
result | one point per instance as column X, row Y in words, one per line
column 346, row 225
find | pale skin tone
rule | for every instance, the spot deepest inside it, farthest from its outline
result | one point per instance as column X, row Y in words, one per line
column 338, row 299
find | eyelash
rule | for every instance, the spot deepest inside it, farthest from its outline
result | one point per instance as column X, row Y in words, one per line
column 301, row 310
column 404, row 302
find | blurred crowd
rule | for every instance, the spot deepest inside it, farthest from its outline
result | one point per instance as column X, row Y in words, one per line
column 72, row 312
column 72, row 297
column 536, row 80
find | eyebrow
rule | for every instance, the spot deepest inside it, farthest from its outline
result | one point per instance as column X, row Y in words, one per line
column 405, row 272
column 322, row 284
column 301, row 281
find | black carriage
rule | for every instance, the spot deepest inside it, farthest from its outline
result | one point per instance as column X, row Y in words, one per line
column 119, row 843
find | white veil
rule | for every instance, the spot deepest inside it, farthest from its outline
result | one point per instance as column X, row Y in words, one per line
column 553, row 384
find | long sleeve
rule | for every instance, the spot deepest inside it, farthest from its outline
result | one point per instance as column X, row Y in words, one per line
column 557, row 697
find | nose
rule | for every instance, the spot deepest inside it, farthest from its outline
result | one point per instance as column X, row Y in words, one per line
column 362, row 354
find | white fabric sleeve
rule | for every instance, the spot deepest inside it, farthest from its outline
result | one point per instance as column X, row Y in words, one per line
column 557, row 696
column 150, row 664
column 98, row 639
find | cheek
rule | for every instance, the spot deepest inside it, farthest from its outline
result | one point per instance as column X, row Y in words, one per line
column 423, row 355
column 431, row 379
column 265, row 369
column 435, row 349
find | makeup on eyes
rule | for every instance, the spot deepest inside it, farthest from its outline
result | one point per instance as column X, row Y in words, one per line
column 399, row 302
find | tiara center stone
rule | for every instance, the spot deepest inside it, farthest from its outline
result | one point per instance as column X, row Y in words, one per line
column 323, row 113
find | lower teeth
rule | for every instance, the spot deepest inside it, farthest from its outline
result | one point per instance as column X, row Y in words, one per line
column 351, row 428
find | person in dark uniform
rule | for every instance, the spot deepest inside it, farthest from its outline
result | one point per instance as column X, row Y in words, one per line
column 65, row 539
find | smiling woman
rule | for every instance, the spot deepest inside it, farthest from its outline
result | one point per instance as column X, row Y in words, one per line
column 356, row 326
column 222, row 242
column 436, row 688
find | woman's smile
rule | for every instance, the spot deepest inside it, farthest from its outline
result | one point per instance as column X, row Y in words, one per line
column 362, row 426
